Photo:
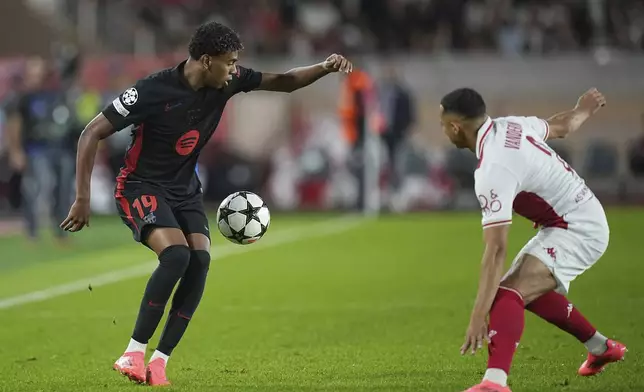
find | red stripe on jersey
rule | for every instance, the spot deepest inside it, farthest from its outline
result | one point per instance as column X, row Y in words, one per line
column 539, row 211
column 131, row 160
column 547, row 129
column 128, row 214
column 482, row 143
column 497, row 223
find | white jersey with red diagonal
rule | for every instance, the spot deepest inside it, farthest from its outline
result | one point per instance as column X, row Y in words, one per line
column 518, row 171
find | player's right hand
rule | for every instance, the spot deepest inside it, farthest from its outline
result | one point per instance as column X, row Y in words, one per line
column 591, row 101
column 475, row 336
column 78, row 216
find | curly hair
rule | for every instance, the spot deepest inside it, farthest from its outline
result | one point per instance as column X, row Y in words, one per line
column 213, row 39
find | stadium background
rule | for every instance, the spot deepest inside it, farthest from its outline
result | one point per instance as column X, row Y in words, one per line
column 352, row 302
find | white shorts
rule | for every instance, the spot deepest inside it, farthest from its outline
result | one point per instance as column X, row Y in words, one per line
column 570, row 252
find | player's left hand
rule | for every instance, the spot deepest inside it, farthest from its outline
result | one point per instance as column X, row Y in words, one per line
column 591, row 101
column 337, row 63
column 475, row 336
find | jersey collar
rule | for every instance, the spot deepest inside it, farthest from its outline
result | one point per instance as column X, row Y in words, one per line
column 178, row 72
column 481, row 134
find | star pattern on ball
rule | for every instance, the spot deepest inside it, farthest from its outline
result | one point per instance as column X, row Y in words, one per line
column 251, row 213
column 249, row 206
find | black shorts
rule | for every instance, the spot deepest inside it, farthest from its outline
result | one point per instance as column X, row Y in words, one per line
column 143, row 208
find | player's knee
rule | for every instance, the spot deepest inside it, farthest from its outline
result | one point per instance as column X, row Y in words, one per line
column 530, row 288
column 202, row 259
column 175, row 258
column 531, row 278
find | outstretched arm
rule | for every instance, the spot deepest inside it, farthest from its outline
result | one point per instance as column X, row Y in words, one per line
column 300, row 77
column 561, row 124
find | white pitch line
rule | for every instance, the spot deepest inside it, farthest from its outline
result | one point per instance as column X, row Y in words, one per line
column 282, row 237
column 293, row 309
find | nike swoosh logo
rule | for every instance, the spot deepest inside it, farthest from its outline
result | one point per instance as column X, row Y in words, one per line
column 169, row 107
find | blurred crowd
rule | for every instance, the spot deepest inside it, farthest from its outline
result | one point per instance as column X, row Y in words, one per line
column 49, row 102
column 320, row 164
column 306, row 26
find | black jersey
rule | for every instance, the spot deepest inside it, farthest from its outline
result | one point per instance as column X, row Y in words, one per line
column 172, row 123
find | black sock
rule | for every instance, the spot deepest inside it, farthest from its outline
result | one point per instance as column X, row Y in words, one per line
column 173, row 262
column 185, row 301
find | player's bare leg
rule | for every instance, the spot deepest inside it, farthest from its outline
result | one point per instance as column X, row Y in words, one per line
column 174, row 255
column 184, row 304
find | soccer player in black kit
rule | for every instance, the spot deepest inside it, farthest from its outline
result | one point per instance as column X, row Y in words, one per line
column 158, row 194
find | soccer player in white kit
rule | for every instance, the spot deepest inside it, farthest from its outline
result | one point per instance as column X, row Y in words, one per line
column 518, row 171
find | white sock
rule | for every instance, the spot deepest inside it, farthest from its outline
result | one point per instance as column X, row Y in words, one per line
column 597, row 344
column 497, row 376
column 159, row 354
column 135, row 346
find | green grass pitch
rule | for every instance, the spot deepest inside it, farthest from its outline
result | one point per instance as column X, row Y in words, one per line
column 317, row 305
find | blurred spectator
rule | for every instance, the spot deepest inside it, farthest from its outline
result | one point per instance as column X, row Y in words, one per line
column 636, row 157
column 508, row 26
column 625, row 23
column 40, row 128
column 14, row 178
column 397, row 108
column 359, row 115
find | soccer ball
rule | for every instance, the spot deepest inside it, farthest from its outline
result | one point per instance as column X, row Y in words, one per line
column 243, row 218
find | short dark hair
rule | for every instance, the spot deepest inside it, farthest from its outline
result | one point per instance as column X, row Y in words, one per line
column 465, row 102
column 214, row 39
